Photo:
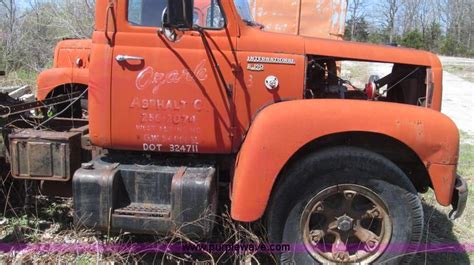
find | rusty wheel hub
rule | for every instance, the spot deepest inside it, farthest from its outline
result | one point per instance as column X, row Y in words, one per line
column 346, row 223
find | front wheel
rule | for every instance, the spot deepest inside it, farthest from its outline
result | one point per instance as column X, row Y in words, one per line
column 346, row 205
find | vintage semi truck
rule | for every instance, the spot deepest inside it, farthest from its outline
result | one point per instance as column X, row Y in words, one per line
column 191, row 100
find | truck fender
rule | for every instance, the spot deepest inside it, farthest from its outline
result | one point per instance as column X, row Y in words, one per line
column 52, row 78
column 280, row 130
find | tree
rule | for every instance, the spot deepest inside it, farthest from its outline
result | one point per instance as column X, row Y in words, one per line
column 413, row 39
column 452, row 47
column 432, row 37
column 361, row 31
column 355, row 8
column 30, row 34
column 410, row 15
column 8, row 23
column 389, row 9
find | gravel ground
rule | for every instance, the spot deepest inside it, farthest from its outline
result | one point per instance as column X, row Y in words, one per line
column 458, row 96
column 456, row 60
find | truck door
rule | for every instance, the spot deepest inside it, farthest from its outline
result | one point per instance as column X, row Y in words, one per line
column 166, row 95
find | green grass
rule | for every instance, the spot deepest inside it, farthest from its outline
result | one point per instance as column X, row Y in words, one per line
column 466, row 156
column 439, row 229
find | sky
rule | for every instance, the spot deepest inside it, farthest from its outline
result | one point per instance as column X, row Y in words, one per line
column 25, row 3
column 369, row 6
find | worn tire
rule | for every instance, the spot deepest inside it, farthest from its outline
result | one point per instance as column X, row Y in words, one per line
column 314, row 173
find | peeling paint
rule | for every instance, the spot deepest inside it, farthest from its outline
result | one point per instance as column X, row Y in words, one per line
column 312, row 18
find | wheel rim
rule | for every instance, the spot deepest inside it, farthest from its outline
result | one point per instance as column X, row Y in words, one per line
column 346, row 223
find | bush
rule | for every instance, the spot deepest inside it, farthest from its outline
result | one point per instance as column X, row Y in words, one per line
column 361, row 32
column 413, row 39
column 27, row 42
column 452, row 47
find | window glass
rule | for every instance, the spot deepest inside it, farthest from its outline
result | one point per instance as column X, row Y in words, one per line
column 149, row 13
column 197, row 16
column 146, row 13
column 244, row 10
column 210, row 14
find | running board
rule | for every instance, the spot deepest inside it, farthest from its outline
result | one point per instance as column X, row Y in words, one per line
column 145, row 210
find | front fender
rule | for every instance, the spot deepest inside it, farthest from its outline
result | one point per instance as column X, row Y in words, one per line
column 53, row 78
column 282, row 129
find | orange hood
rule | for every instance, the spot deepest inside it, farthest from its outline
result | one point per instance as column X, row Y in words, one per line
column 369, row 52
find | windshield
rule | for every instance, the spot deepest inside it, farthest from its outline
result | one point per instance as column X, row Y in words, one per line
column 244, row 10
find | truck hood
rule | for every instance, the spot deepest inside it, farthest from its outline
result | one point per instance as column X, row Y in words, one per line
column 369, row 52
column 356, row 51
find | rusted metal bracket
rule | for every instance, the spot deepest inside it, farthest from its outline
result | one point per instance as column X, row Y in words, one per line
column 459, row 198
column 6, row 111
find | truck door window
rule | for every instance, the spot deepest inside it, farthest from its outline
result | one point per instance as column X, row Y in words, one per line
column 210, row 10
column 147, row 13
column 244, row 9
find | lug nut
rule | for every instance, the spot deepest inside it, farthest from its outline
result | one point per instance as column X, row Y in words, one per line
column 342, row 256
column 349, row 194
column 315, row 236
column 88, row 166
column 371, row 245
column 319, row 207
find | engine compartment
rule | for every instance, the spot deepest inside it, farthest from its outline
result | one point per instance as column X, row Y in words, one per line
column 407, row 84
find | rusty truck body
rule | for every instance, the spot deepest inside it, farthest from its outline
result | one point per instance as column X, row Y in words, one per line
column 183, row 108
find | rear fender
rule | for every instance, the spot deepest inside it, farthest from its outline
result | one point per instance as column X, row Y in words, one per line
column 52, row 78
column 282, row 129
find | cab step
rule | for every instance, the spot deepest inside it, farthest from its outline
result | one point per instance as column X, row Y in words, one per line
column 144, row 196
column 145, row 210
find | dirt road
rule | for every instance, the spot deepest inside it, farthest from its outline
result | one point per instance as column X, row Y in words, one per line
column 458, row 93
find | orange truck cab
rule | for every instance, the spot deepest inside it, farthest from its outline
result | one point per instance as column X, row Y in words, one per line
column 72, row 56
column 185, row 96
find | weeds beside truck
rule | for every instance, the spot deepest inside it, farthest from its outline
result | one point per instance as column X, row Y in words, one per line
column 187, row 100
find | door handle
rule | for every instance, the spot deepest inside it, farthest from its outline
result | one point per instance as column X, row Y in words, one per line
column 123, row 58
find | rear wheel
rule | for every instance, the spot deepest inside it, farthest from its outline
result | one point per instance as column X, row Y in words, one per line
column 79, row 110
column 76, row 111
column 346, row 205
